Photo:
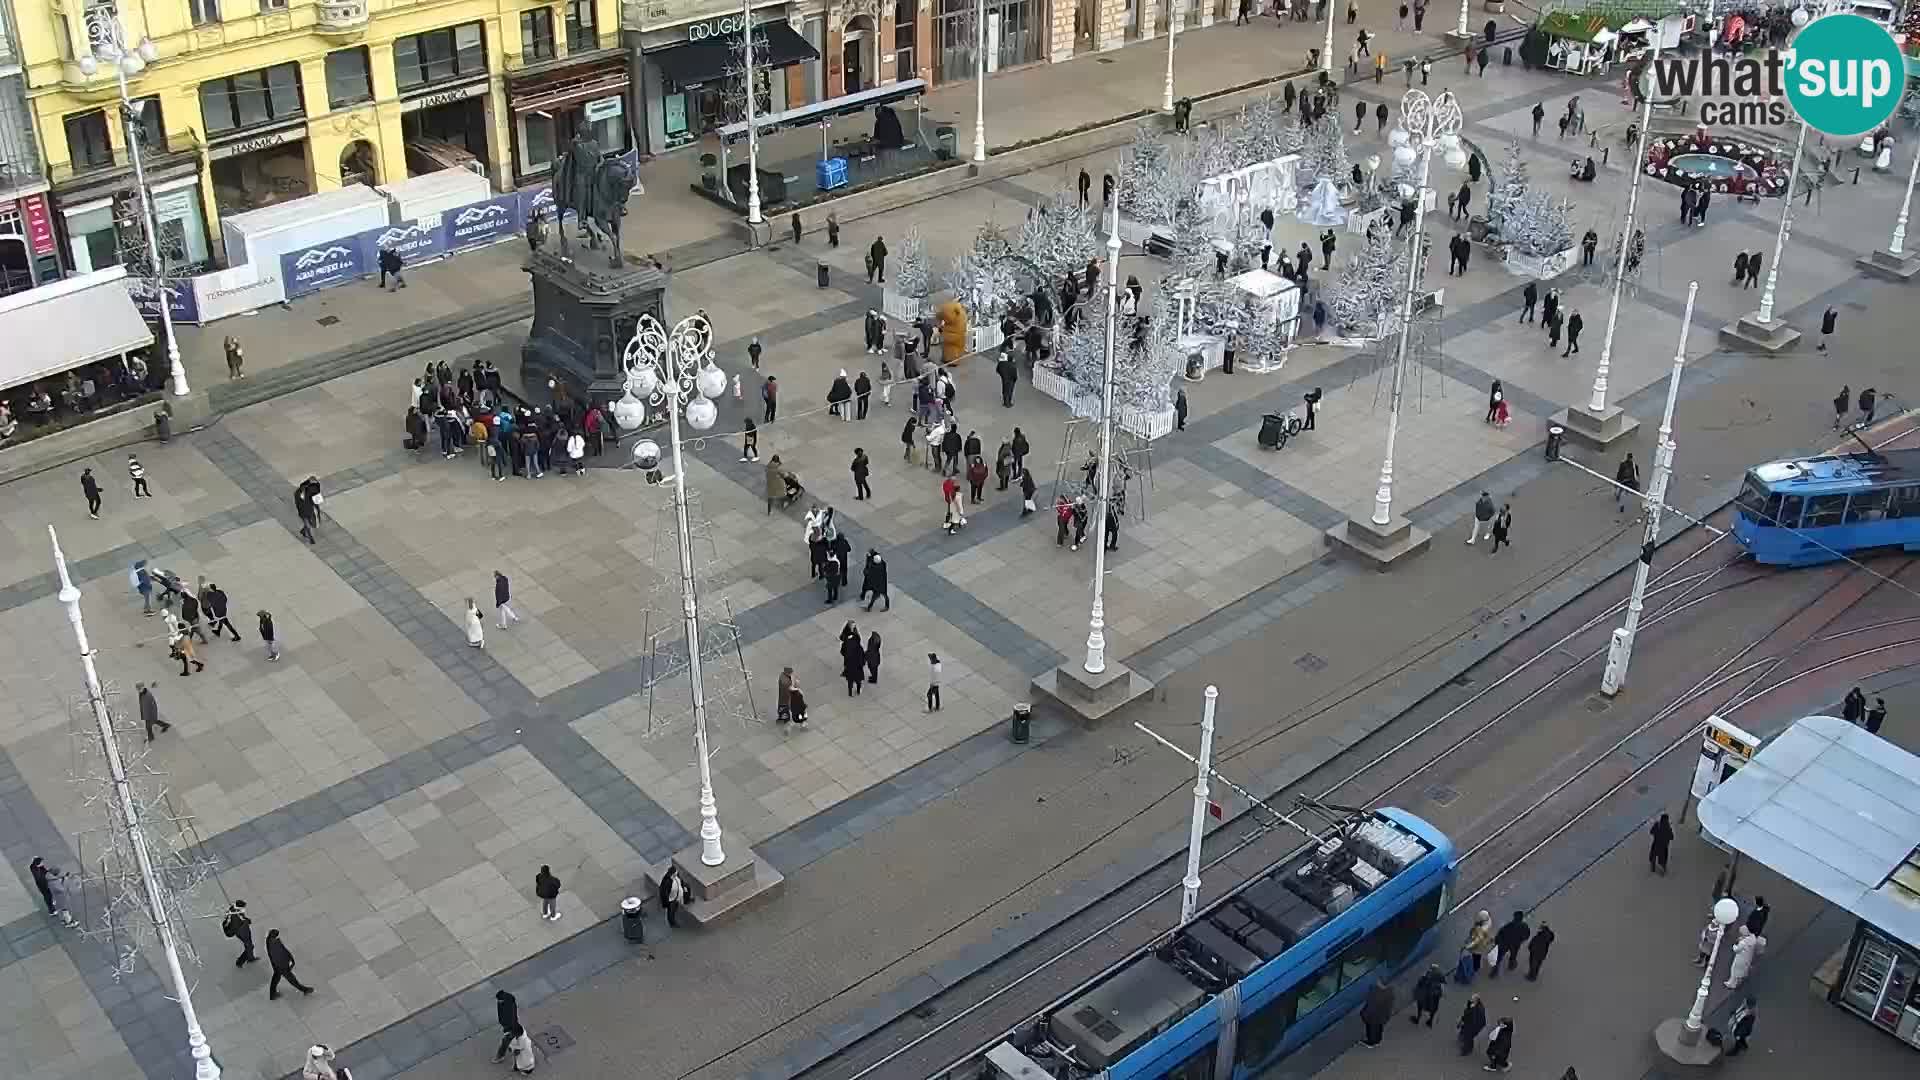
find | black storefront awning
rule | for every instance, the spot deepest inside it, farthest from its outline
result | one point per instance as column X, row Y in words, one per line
column 697, row 62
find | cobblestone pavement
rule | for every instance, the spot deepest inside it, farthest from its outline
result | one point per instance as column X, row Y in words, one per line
column 385, row 793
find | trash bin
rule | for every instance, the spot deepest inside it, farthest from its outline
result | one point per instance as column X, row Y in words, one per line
column 163, row 424
column 632, row 922
column 1555, row 433
column 1022, row 722
column 946, row 142
column 820, row 274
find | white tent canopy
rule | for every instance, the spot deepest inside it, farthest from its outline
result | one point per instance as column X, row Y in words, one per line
column 61, row 326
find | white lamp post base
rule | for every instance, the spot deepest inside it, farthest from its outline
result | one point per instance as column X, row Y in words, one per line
column 1672, row 1037
column 1887, row 266
column 1378, row 546
column 1753, row 334
column 1595, row 430
column 1091, row 697
column 717, row 893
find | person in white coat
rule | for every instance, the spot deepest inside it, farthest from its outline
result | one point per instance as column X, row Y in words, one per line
column 476, row 628
column 319, row 1065
column 522, row 1048
column 1745, row 952
column 577, row 453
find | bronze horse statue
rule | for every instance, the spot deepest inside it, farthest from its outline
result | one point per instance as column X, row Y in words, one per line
column 594, row 189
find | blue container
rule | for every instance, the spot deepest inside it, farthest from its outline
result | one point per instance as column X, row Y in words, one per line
column 830, row 174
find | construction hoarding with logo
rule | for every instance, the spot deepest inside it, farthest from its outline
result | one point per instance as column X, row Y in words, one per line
column 324, row 265
column 414, row 241
column 350, row 258
column 482, row 222
column 181, row 305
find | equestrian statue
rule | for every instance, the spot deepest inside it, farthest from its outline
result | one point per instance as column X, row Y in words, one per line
column 596, row 191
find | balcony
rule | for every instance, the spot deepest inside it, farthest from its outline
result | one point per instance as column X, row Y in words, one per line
column 341, row 19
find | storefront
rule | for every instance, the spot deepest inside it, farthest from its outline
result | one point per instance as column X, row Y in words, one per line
column 443, row 81
column 256, row 129
column 94, row 227
column 1021, row 27
column 691, row 74
column 29, row 253
column 551, row 103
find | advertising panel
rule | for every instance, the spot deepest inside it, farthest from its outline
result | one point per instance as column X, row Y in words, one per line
column 179, row 297
column 237, row 291
column 482, row 222
column 414, row 241
column 324, row 265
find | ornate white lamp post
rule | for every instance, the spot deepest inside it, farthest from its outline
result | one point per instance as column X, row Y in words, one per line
column 1725, row 911
column 674, row 370
column 106, row 42
column 1197, row 825
column 1620, row 649
column 1174, row 15
column 980, row 83
column 1427, row 121
column 1326, row 50
column 1097, row 623
column 1597, row 405
column 750, row 88
column 1801, row 17
column 159, row 904
column 1897, row 247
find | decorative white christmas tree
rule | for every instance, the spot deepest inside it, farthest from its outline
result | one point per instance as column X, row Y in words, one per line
column 1366, row 291
column 912, row 272
column 1265, row 122
column 983, row 278
column 1512, row 185
column 1142, row 176
column 1537, row 224
column 1058, row 237
column 1324, row 153
column 1142, row 377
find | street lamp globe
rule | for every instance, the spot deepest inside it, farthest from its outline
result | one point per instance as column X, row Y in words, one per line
column 629, row 412
column 711, row 382
column 1726, row 910
column 1800, row 16
column 1398, row 138
column 89, row 66
column 701, row 414
column 642, row 379
column 646, row 454
column 1402, row 157
column 132, row 64
column 149, row 52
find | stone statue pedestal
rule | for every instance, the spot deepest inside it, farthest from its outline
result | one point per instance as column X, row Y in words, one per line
column 584, row 313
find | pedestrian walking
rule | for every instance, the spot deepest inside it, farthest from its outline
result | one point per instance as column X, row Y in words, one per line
column 1426, row 66
column 521, row 1044
column 1588, row 244
column 239, row 925
column 1574, row 325
column 1473, row 1020
column 235, row 357
column 306, row 504
column 1739, row 268
column 862, row 395
column 319, row 1065
column 266, row 634
column 1754, row 262
column 180, row 647
column 40, row 871
column 214, row 601
column 872, row 657
column 1758, row 915
column 149, row 710
column 390, row 265
column 1502, row 525
column 502, row 597
column 280, row 958
column 1539, row 114
column 1009, row 372
column 1483, row 510
column 1742, row 1026
column 506, row 1009
column 873, row 581
column 1027, row 490
column 1842, row 404
column 1479, row 943
column 1827, row 322
column 933, row 682
column 1537, row 949
column 877, row 261
column 783, row 691
column 137, row 473
column 1427, row 994
column 143, row 584
column 190, row 616
column 672, row 893
column 1495, row 395
column 1626, row 479
column 476, row 628
column 1507, row 941
column 1875, row 717
column 1529, row 296
column 770, row 397
column 1745, row 951
column 1700, row 208
column 1376, row 1012
column 547, row 888
column 91, row 489
column 1657, row 852
column 1500, row 1043
column 1869, row 400
column 861, row 467
column 853, row 658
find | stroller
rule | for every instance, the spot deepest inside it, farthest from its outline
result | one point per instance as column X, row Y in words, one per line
column 795, row 489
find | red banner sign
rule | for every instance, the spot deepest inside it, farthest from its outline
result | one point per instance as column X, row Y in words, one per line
column 39, row 222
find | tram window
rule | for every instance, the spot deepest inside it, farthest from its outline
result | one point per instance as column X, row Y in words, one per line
column 1197, row 1067
column 1362, row 957
column 1315, row 994
column 1260, row 1032
column 1868, row 506
column 1824, row 510
column 1790, row 511
column 1906, row 502
column 1753, row 496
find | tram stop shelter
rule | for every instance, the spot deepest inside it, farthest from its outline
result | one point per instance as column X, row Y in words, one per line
column 1837, row 811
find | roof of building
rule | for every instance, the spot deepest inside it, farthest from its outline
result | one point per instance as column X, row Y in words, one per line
column 1835, row 810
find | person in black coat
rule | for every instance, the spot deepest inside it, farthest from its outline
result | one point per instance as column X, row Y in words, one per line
column 862, row 395
column 877, row 261
column 216, row 606
column 1027, row 489
column 873, row 657
column 950, row 446
column 280, row 958
column 841, row 548
column 1473, row 1020
column 1537, row 951
column 506, row 1009
column 1508, row 940
column 1009, row 373
column 1662, row 834
column 853, row 660
column 873, row 581
column 1427, row 994
column 1020, row 450
column 1377, row 1010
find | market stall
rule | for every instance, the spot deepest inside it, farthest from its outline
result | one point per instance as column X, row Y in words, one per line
column 1640, row 37
column 1578, row 44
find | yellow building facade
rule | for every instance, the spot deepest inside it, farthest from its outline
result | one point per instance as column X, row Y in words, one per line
column 249, row 103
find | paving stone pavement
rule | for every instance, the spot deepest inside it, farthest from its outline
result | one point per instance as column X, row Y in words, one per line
column 385, row 793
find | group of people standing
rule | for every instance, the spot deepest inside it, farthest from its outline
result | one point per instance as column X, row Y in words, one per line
column 1486, row 948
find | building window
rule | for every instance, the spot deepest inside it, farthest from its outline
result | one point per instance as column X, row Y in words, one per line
column 580, row 31
column 267, row 6
column 536, row 35
column 439, row 55
column 251, row 99
column 349, row 79
column 204, row 12
column 151, row 128
column 87, row 145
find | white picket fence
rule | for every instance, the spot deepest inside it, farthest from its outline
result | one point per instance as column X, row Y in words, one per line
column 1145, row 423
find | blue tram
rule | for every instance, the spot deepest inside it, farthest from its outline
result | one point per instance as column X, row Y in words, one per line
column 1816, row 510
column 1256, row 974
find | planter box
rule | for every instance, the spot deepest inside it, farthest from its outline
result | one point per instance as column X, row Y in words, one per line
column 1542, row 267
column 1148, row 424
column 904, row 308
column 983, row 338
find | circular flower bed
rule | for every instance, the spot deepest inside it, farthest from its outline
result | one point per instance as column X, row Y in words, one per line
column 1741, row 167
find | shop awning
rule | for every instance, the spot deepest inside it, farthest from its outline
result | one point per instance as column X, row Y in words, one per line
column 700, row 62
column 1834, row 810
column 59, row 327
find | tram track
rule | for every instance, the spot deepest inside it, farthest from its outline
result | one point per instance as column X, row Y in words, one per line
column 985, row 1004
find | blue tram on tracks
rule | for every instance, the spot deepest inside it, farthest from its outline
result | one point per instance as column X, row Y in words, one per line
column 1820, row 509
column 1253, row 976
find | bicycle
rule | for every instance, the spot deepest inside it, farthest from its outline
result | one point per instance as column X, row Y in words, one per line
column 1277, row 428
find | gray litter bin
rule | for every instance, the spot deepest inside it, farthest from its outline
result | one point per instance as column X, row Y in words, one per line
column 163, row 424
column 633, row 923
column 1022, row 722
column 946, row 142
